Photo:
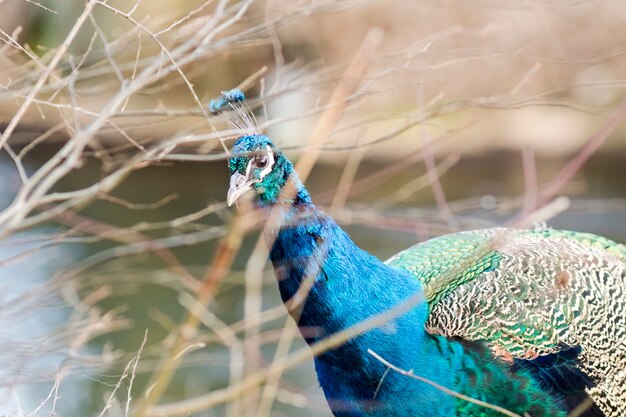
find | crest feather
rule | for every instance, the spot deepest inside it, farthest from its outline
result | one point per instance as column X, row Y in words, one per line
column 241, row 119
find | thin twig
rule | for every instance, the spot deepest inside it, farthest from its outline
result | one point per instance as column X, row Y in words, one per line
column 441, row 388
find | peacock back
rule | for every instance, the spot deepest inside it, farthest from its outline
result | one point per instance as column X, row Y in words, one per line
column 548, row 300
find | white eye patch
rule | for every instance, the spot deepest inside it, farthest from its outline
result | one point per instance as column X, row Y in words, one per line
column 266, row 170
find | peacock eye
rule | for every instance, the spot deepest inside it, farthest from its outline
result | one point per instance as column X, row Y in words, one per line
column 260, row 161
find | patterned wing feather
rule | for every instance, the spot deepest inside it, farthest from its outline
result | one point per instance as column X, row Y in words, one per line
column 530, row 294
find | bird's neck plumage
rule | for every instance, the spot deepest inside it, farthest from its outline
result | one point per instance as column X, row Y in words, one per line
column 329, row 285
column 321, row 271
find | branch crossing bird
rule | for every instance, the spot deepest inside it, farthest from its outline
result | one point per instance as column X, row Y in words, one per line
column 529, row 321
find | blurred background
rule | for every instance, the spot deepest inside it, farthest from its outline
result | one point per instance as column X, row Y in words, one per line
column 460, row 114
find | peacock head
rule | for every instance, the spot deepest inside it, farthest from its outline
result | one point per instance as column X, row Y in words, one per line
column 257, row 165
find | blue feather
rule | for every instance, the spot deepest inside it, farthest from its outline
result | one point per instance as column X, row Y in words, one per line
column 226, row 101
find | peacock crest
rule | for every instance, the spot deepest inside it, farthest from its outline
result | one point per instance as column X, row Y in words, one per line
column 239, row 116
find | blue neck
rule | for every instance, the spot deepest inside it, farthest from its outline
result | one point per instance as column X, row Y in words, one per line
column 310, row 249
column 348, row 285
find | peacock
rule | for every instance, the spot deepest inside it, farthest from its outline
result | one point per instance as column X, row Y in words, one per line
column 525, row 322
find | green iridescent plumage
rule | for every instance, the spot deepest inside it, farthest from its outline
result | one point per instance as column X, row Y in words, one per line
column 532, row 294
column 447, row 262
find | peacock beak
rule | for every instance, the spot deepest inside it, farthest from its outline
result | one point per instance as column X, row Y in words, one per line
column 239, row 184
